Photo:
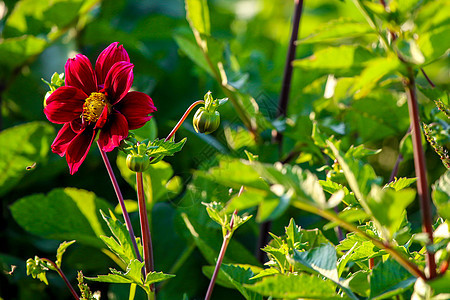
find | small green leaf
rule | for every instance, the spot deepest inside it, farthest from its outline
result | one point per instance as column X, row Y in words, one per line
column 197, row 14
column 60, row 252
column 400, row 183
column 133, row 274
column 160, row 148
column 154, row 277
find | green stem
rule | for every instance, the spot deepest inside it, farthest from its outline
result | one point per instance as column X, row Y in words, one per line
column 145, row 230
column 420, row 167
column 66, row 281
column 408, row 265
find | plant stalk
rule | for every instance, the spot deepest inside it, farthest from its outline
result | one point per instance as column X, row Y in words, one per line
column 223, row 249
column 183, row 118
column 66, row 281
column 145, row 229
column 121, row 202
column 420, row 167
column 287, row 76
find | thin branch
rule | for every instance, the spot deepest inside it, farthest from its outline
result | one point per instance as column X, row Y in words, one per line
column 427, row 78
column 420, row 167
column 66, row 281
column 287, row 77
column 185, row 115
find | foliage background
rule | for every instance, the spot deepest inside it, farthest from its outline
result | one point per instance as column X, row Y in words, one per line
column 37, row 37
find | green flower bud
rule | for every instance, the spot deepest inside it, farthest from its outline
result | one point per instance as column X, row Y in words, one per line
column 206, row 121
column 138, row 162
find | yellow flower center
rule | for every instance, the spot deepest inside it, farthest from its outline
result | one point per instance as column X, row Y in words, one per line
column 93, row 107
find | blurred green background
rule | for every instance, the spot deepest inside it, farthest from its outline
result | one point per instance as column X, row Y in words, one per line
column 38, row 36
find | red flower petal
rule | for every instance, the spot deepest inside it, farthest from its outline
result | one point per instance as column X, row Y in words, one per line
column 112, row 54
column 78, row 149
column 118, row 81
column 79, row 74
column 62, row 140
column 65, row 104
column 102, row 119
column 136, row 107
column 114, row 131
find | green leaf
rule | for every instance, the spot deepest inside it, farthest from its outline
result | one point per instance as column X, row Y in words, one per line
column 389, row 207
column 61, row 250
column 389, row 279
column 359, row 283
column 295, row 286
column 432, row 45
column 336, row 30
column 15, row 51
column 441, row 195
column 352, row 59
column 400, row 183
column 349, row 215
column 22, row 146
column 322, row 260
column 333, row 187
column 133, row 274
column 163, row 148
column 121, row 243
column 376, row 69
column 47, row 215
column 154, row 277
column 197, row 14
column 235, row 276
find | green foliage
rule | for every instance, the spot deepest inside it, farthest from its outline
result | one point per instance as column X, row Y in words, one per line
column 46, row 215
column 22, row 146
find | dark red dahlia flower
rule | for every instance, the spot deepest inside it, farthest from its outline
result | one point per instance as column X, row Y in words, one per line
column 92, row 102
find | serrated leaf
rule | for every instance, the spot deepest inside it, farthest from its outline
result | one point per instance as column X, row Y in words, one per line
column 389, row 207
column 295, row 286
column 160, row 147
column 400, row 183
column 121, row 243
column 154, row 277
column 47, row 215
column 389, row 279
column 332, row 187
column 61, row 250
column 133, row 274
column 322, row 260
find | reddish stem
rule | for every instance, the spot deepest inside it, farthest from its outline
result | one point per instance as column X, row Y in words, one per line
column 145, row 228
column 420, row 167
column 371, row 263
column 66, row 281
column 427, row 78
column 186, row 113
column 226, row 240
column 120, row 199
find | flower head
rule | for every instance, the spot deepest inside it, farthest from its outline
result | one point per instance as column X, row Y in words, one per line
column 96, row 102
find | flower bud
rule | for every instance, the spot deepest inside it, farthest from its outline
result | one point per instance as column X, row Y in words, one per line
column 138, row 162
column 206, row 121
